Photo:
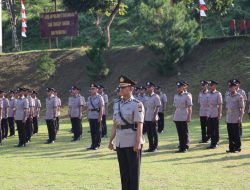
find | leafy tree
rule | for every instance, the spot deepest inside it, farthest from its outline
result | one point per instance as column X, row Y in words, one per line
column 169, row 31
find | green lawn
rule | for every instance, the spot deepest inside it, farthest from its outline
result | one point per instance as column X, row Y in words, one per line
column 68, row 165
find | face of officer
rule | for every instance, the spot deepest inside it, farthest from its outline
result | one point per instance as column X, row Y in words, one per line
column 213, row 87
column 204, row 87
column 126, row 91
column 93, row 91
column 100, row 90
column 1, row 95
column 33, row 95
column 142, row 92
column 233, row 89
column 180, row 89
column 50, row 93
column 150, row 89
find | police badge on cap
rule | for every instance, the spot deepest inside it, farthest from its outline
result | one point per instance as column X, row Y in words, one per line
column 125, row 81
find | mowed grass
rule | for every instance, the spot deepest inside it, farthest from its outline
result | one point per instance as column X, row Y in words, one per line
column 68, row 165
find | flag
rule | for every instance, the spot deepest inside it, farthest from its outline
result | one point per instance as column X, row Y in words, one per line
column 202, row 8
column 24, row 24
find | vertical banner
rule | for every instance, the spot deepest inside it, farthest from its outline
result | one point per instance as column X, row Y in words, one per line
column 24, row 21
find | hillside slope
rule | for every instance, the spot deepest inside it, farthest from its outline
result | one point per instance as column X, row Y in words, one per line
column 218, row 60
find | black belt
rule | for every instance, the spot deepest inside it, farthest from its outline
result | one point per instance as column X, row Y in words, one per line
column 94, row 110
column 130, row 126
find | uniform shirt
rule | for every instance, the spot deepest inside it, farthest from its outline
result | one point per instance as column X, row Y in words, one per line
column 59, row 104
column 243, row 93
column 151, row 103
column 38, row 105
column 21, row 104
column 234, row 104
column 106, row 101
column 1, row 107
column 51, row 104
column 181, row 103
column 6, row 106
column 203, row 101
column 249, row 102
column 132, row 111
column 76, row 103
column 214, row 100
column 12, row 102
column 97, row 102
column 31, row 103
column 164, row 99
column 141, row 98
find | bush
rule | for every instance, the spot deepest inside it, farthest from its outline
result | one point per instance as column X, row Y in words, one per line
column 98, row 68
column 169, row 31
column 45, row 65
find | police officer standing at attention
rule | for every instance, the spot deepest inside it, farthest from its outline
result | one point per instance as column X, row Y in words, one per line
column 105, row 111
column 36, row 113
column 162, row 110
column 141, row 96
column 152, row 105
column 203, row 112
column 11, row 119
column 95, row 112
column 182, row 115
column 76, row 110
column 4, row 121
column 234, row 115
column 127, row 131
column 21, row 114
column 29, row 122
column 50, row 115
column 214, row 113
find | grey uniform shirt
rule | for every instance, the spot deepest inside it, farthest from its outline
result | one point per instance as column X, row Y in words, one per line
column 181, row 103
column 38, row 105
column 132, row 111
column 243, row 94
column 214, row 100
column 164, row 99
column 51, row 104
column 21, row 104
column 76, row 103
column 106, row 101
column 31, row 103
column 97, row 102
column 59, row 104
column 141, row 98
column 151, row 103
column 12, row 102
column 6, row 106
column 234, row 104
column 1, row 107
column 203, row 101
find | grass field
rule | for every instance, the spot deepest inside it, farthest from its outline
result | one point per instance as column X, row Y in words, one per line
column 68, row 165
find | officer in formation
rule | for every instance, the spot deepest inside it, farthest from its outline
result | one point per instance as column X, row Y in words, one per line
column 29, row 122
column 36, row 112
column 95, row 113
column 162, row 110
column 58, row 112
column 4, row 121
column 152, row 105
column 11, row 118
column 127, row 127
column 76, row 105
column 52, row 105
column 105, row 111
column 21, row 111
column 234, row 115
column 203, row 111
column 182, row 115
column 214, row 113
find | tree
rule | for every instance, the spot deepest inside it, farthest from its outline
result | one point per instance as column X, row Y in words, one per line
column 100, row 9
column 169, row 31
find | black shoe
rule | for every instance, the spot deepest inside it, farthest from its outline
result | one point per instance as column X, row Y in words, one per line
column 230, row 151
column 90, row 148
column 95, row 148
column 181, row 151
column 150, row 150
column 238, row 150
column 21, row 145
column 202, row 142
column 11, row 135
column 75, row 139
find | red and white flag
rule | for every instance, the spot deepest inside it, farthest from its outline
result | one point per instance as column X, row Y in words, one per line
column 24, row 24
column 202, row 8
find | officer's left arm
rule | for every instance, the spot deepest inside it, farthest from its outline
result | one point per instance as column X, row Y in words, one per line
column 101, row 109
column 138, row 119
column 220, row 101
column 157, row 107
column 242, row 106
column 55, row 108
column 189, row 107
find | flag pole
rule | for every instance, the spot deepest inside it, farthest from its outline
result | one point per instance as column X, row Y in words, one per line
column 201, row 26
column 1, row 32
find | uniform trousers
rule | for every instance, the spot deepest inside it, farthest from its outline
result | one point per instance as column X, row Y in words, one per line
column 104, row 126
column 4, row 124
column 234, row 136
column 35, row 124
column 29, row 128
column 160, row 122
column 205, row 130
column 182, row 130
column 21, row 132
column 51, row 129
column 129, row 164
column 76, row 125
column 96, row 132
column 152, row 134
column 213, row 124
column 11, row 123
